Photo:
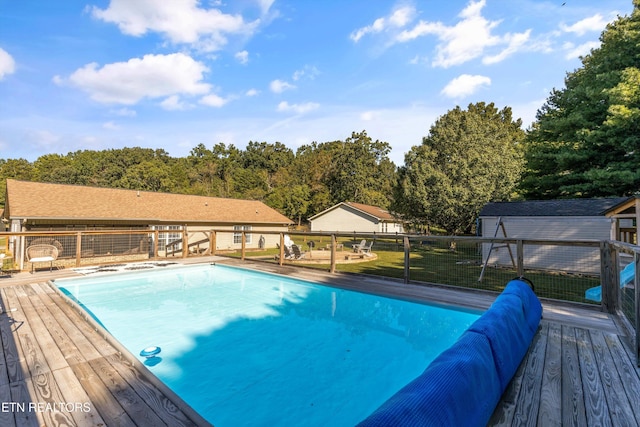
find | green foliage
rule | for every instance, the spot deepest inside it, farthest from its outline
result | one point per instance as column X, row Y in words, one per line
column 298, row 185
column 586, row 140
column 469, row 158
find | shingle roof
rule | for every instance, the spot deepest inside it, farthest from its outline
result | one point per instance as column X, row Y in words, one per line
column 374, row 211
column 559, row 207
column 59, row 201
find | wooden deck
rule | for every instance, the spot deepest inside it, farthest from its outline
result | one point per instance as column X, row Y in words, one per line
column 57, row 369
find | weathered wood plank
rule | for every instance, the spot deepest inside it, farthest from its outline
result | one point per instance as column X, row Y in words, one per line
column 47, row 398
column 82, row 411
column 9, row 345
column 573, row 411
column 595, row 406
column 6, row 413
column 166, row 409
column 528, row 402
column 102, row 400
column 619, row 405
column 629, row 374
column 125, row 395
column 49, row 348
column 551, row 394
column 88, row 340
column 23, row 416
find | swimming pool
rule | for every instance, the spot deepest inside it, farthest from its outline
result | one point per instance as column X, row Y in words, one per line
column 246, row 348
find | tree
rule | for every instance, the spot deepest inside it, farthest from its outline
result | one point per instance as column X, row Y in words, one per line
column 360, row 171
column 586, row 139
column 468, row 159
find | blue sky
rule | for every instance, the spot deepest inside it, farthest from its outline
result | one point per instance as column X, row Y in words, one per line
column 101, row 74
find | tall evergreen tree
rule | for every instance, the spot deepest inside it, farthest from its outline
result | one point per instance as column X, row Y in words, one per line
column 586, row 139
column 469, row 158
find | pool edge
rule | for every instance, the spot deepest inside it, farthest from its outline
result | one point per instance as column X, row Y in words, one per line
column 133, row 360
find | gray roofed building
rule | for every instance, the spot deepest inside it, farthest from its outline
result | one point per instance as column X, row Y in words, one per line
column 559, row 207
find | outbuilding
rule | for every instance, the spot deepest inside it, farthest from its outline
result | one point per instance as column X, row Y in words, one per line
column 611, row 218
column 356, row 217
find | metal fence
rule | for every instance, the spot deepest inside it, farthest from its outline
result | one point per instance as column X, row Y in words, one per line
column 578, row 271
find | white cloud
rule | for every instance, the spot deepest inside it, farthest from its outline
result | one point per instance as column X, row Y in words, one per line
column 284, row 106
column 308, row 71
column 110, row 126
column 595, row 23
column 43, row 138
column 152, row 76
column 252, row 92
column 279, row 86
column 397, row 19
column 465, row 85
column 242, row 57
column 180, row 21
column 466, row 40
column 173, row 103
column 515, row 44
column 574, row 52
column 7, row 64
column 213, row 100
column 124, row 112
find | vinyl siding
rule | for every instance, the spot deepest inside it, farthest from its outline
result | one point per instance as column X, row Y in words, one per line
column 549, row 257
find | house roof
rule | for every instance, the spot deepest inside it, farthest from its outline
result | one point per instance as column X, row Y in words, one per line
column 37, row 200
column 559, row 207
column 372, row 211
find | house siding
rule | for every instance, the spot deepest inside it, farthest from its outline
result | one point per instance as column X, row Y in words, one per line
column 549, row 257
column 345, row 220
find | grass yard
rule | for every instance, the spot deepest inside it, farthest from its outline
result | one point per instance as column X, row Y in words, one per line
column 462, row 267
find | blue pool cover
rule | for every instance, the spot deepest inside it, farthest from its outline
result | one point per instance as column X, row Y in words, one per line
column 463, row 385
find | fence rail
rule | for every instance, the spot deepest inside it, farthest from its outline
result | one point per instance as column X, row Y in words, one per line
column 567, row 270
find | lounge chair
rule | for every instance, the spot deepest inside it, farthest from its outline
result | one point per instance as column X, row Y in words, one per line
column 297, row 254
column 358, row 247
column 366, row 249
column 42, row 253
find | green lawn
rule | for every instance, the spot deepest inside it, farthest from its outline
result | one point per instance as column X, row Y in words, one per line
column 461, row 267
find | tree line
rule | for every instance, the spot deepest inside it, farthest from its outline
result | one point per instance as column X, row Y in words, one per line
column 585, row 142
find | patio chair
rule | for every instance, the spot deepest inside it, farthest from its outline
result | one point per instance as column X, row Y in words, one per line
column 297, row 254
column 366, row 249
column 358, row 246
column 42, row 253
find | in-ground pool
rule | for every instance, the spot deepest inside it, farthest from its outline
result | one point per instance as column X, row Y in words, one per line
column 245, row 348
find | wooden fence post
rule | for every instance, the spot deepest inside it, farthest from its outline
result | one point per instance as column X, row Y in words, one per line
column 212, row 242
column 156, row 243
column 281, row 258
column 609, row 279
column 244, row 244
column 185, row 242
column 520, row 258
column 407, row 256
column 78, row 248
column 332, row 267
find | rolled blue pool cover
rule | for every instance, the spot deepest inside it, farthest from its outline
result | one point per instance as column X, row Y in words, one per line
column 463, row 385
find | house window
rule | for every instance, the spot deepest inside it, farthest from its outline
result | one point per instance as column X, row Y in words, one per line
column 237, row 235
column 384, row 227
column 165, row 238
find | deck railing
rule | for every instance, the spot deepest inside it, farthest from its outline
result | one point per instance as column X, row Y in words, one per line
column 566, row 270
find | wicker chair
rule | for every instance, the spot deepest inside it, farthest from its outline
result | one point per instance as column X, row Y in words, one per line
column 42, row 253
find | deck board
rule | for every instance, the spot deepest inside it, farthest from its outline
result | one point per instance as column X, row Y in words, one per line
column 579, row 369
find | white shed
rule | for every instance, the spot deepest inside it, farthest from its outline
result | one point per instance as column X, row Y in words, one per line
column 570, row 219
column 350, row 217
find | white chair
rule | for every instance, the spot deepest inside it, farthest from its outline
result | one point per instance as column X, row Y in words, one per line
column 42, row 253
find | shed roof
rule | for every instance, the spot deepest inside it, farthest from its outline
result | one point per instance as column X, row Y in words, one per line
column 372, row 211
column 558, row 207
column 36, row 200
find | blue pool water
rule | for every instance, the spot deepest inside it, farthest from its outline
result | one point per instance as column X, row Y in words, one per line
column 245, row 348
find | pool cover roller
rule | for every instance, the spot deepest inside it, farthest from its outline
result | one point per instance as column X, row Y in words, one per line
column 463, row 385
